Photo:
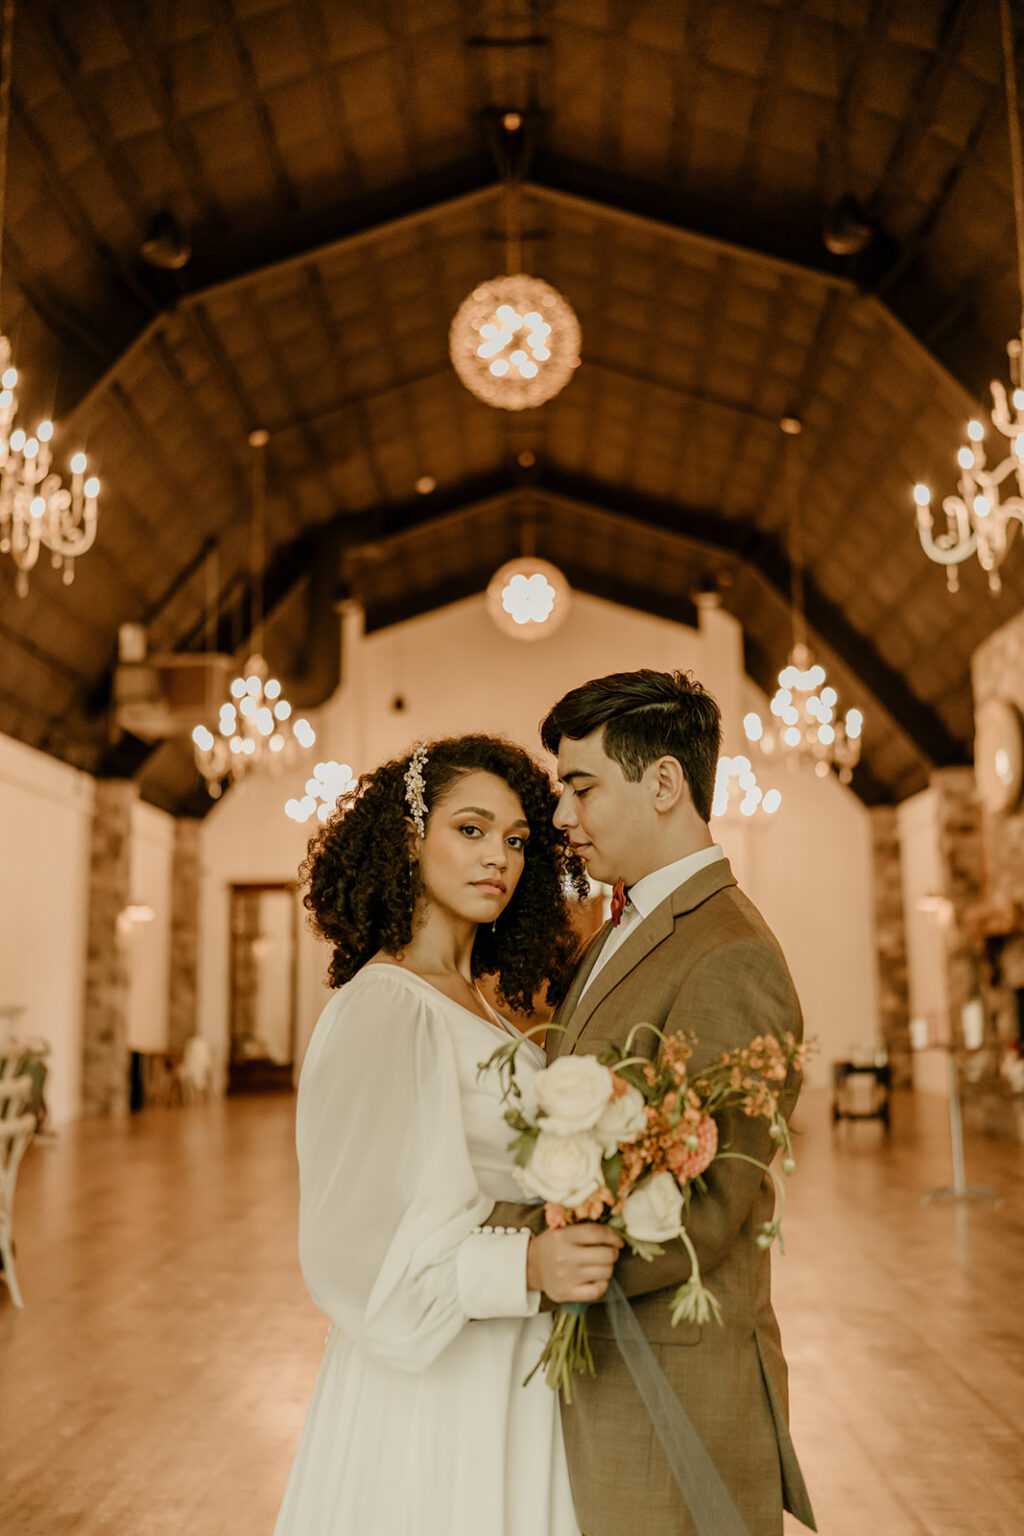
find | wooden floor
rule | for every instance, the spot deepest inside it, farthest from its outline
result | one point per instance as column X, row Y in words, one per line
column 157, row 1379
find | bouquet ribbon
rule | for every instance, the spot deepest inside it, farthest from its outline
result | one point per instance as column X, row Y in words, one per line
column 700, row 1482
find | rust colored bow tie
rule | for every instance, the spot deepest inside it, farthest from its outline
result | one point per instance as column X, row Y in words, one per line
column 619, row 900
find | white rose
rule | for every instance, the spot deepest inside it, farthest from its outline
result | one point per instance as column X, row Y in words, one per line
column 572, row 1093
column 653, row 1212
column 622, row 1119
column 565, row 1169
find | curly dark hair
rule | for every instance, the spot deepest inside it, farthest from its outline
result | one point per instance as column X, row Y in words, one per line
column 363, row 887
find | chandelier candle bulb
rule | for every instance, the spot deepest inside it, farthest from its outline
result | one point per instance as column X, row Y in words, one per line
column 253, row 733
column 987, row 511
column 804, row 707
column 36, row 510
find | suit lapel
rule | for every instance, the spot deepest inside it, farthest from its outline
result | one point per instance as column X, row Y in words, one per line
column 578, row 1007
column 557, row 1039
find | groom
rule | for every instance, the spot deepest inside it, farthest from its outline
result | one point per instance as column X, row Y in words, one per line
column 637, row 753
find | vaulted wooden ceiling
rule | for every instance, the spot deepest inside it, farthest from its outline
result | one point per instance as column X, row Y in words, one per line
column 339, row 170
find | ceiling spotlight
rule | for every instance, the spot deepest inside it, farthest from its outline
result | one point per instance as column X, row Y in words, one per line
column 512, row 121
column 165, row 246
column 846, row 228
column 791, row 425
column 525, row 460
column 425, row 484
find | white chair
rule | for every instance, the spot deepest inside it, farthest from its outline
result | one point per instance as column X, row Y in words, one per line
column 16, row 1131
column 195, row 1070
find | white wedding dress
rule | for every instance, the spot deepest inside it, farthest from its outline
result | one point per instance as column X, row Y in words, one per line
column 419, row 1424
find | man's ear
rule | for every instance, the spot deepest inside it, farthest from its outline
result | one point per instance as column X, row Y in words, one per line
column 669, row 783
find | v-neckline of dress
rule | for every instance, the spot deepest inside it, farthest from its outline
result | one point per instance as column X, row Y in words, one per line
column 495, row 1023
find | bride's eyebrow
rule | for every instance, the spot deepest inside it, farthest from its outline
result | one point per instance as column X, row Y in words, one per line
column 476, row 810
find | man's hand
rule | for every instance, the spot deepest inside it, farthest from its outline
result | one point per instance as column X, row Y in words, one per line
column 572, row 1263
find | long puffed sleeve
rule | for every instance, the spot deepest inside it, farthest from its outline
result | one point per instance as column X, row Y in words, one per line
column 389, row 1238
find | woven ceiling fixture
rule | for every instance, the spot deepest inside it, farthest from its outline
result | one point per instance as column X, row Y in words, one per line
column 515, row 341
column 35, row 508
column 255, row 728
column 983, row 519
column 805, row 726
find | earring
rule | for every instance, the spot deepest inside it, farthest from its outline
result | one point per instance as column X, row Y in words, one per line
column 494, row 926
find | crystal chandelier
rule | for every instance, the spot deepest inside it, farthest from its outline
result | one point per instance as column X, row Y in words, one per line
column 515, row 341
column 35, row 507
column 328, row 784
column 736, row 787
column 984, row 517
column 255, row 729
column 804, row 725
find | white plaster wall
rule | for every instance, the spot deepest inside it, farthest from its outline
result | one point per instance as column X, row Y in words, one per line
column 808, row 868
column 45, row 821
column 148, row 944
column 923, row 875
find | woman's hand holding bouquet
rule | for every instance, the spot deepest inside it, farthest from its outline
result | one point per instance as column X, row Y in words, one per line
column 621, row 1140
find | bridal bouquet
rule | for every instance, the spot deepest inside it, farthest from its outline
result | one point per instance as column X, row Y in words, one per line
column 620, row 1139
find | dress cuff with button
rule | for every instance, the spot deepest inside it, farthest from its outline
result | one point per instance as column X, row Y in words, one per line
column 491, row 1272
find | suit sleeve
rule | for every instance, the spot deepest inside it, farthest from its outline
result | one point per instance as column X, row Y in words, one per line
column 740, row 990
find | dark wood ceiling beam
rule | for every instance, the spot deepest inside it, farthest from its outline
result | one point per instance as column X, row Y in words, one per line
column 250, row 95
column 363, row 219
column 915, row 723
column 77, row 83
column 917, row 120
column 312, row 442
column 783, row 29
column 249, row 417
column 592, row 189
column 430, row 199
column 763, row 553
column 44, row 658
column 357, row 404
column 77, row 219
column 147, row 53
column 314, row 29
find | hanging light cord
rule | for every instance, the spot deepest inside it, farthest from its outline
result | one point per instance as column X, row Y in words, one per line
column 1017, row 172
column 259, row 485
column 796, row 550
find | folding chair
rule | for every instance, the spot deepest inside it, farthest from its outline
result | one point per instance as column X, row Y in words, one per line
column 16, row 1131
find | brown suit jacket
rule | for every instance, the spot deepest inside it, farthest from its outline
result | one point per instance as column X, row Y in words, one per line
column 703, row 961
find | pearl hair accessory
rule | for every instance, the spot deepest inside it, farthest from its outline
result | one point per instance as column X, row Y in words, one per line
column 414, row 787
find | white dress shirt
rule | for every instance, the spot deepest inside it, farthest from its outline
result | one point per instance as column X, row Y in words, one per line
column 649, row 893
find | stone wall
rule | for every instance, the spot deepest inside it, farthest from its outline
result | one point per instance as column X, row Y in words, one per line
column 891, row 942
column 184, row 966
column 958, row 816
column 997, row 672
column 105, row 1011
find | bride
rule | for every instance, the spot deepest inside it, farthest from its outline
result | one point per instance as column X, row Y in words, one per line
column 442, row 867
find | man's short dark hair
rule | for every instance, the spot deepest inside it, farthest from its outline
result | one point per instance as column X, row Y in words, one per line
column 645, row 715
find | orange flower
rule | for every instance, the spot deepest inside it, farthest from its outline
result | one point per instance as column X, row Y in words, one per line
column 686, row 1163
column 556, row 1215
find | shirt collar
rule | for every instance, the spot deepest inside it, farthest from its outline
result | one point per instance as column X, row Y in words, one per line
column 652, row 890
